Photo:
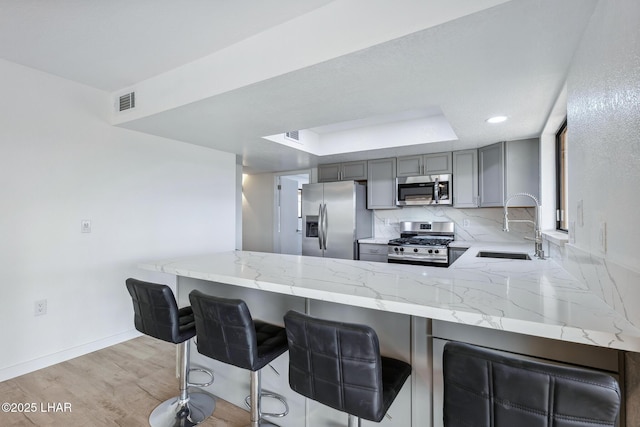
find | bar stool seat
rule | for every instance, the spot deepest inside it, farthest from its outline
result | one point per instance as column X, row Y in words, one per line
column 228, row 333
column 339, row 365
column 486, row 388
column 156, row 314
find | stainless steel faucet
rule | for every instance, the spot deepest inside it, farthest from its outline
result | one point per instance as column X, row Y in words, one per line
column 537, row 239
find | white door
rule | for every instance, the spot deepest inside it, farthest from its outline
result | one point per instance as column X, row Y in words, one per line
column 289, row 234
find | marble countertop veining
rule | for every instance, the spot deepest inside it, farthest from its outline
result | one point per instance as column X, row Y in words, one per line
column 536, row 297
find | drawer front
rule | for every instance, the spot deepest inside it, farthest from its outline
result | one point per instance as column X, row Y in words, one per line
column 373, row 252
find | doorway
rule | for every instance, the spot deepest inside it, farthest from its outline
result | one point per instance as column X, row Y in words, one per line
column 288, row 218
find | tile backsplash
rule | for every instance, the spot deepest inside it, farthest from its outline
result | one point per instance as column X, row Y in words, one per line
column 484, row 224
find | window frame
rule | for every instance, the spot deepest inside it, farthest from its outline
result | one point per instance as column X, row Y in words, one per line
column 561, row 177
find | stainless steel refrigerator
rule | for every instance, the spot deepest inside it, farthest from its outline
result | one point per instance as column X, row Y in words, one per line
column 334, row 217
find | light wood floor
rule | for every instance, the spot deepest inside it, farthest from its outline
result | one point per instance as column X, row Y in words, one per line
column 116, row 386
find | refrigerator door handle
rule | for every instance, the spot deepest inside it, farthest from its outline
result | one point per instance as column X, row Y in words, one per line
column 325, row 226
column 320, row 233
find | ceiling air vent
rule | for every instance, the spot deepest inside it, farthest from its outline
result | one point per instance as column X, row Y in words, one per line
column 127, row 101
column 293, row 135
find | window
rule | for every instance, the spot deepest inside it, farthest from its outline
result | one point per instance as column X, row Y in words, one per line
column 562, row 186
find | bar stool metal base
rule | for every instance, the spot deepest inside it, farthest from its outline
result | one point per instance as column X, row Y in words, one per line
column 177, row 413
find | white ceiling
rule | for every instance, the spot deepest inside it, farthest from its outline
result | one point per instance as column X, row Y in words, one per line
column 115, row 43
column 508, row 59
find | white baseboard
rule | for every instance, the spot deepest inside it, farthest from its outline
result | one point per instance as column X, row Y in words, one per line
column 61, row 356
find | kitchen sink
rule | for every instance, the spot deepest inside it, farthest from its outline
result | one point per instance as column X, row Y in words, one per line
column 504, row 255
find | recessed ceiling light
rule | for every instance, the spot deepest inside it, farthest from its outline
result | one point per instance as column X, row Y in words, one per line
column 497, row 119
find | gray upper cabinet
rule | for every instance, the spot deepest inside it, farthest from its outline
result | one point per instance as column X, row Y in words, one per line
column 409, row 166
column 381, row 184
column 522, row 166
column 465, row 179
column 507, row 168
column 491, row 175
column 350, row 171
column 328, row 173
column 426, row 164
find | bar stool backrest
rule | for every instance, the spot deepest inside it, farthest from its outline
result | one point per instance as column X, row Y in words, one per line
column 485, row 388
column 156, row 312
column 226, row 330
column 337, row 364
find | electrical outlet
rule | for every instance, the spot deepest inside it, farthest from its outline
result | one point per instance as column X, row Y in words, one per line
column 466, row 223
column 40, row 307
column 85, row 226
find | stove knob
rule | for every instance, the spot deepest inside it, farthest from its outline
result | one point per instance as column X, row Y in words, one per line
column 415, row 249
column 401, row 249
column 437, row 251
column 430, row 251
column 395, row 249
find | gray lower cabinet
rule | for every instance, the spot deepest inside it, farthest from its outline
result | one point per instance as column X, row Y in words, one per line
column 349, row 171
column 381, row 184
column 455, row 253
column 426, row 164
column 373, row 252
column 465, row 179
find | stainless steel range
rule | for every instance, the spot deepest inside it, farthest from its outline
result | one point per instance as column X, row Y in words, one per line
column 422, row 243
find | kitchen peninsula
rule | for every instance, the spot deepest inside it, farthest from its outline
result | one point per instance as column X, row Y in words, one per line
column 535, row 298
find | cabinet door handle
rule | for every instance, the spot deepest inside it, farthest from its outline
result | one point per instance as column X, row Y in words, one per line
column 320, row 231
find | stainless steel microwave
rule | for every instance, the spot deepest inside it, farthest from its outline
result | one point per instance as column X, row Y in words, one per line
column 423, row 190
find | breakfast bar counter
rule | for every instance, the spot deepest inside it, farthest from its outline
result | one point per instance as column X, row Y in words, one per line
column 531, row 307
column 532, row 297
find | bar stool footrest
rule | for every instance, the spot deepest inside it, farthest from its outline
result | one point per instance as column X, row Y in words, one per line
column 271, row 395
column 205, row 371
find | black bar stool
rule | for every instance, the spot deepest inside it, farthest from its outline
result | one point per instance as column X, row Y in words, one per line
column 156, row 314
column 228, row 333
column 339, row 365
column 486, row 388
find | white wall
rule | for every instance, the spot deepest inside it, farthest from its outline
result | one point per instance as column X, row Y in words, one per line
column 258, row 212
column 603, row 116
column 604, row 131
column 146, row 197
column 603, row 126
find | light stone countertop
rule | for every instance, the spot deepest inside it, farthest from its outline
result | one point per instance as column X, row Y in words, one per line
column 536, row 297
column 375, row 240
